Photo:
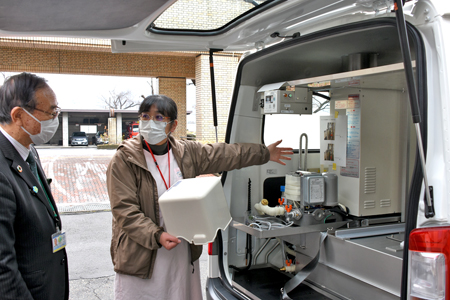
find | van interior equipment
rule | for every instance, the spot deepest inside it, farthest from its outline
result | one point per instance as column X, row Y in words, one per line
column 309, row 221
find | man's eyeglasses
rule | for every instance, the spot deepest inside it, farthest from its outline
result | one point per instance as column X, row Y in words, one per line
column 157, row 117
column 54, row 114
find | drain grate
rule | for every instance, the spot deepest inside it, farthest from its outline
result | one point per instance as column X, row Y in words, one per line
column 87, row 207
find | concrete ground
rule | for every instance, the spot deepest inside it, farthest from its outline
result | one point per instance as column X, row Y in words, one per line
column 79, row 187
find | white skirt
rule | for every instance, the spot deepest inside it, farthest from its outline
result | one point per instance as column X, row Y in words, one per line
column 173, row 278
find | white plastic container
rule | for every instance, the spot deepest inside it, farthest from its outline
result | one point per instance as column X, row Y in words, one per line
column 292, row 186
column 195, row 209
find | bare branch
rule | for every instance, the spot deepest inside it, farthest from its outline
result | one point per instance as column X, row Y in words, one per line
column 321, row 105
column 121, row 100
column 130, row 105
column 151, row 86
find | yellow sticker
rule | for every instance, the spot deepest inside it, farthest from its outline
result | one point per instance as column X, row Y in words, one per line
column 336, row 113
column 334, row 166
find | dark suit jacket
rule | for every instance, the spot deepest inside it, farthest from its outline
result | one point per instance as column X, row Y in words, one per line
column 28, row 267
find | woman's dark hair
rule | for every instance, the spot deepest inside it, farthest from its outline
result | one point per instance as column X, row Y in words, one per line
column 19, row 90
column 164, row 105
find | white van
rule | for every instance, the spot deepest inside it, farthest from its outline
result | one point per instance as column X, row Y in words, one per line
column 360, row 95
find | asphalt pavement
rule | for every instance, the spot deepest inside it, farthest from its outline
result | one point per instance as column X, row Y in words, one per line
column 79, row 188
column 91, row 271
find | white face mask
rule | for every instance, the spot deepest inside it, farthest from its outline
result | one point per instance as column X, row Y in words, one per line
column 153, row 131
column 48, row 129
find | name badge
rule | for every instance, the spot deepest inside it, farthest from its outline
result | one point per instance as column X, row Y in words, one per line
column 58, row 240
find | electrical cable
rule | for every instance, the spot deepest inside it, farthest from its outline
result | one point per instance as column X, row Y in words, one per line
column 324, row 220
column 264, row 223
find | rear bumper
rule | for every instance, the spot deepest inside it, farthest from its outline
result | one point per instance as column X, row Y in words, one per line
column 215, row 290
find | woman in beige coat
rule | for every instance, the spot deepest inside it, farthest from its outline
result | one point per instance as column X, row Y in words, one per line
column 150, row 263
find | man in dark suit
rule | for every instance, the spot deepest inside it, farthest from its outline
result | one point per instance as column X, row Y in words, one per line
column 33, row 261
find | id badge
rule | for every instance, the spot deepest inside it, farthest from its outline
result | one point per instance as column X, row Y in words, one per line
column 58, row 240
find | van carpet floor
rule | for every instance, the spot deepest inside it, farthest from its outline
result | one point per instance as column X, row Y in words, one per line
column 266, row 283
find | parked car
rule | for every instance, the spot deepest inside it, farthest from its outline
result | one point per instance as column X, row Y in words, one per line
column 79, row 138
column 100, row 138
column 372, row 227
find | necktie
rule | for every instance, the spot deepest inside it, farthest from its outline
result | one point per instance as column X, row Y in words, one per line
column 33, row 166
column 32, row 162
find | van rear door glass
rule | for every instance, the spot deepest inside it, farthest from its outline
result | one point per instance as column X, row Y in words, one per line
column 289, row 127
column 205, row 15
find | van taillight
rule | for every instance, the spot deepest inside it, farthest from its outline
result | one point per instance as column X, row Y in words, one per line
column 429, row 250
column 210, row 246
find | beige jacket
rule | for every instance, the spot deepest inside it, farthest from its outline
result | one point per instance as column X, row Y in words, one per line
column 134, row 197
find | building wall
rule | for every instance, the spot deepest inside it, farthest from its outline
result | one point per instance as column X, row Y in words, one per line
column 224, row 74
column 62, row 61
column 172, row 69
column 175, row 88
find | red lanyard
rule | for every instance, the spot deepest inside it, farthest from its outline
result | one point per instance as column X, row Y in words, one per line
column 154, row 159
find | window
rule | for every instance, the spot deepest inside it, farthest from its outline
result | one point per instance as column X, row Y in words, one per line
column 204, row 15
column 289, row 128
column 89, row 128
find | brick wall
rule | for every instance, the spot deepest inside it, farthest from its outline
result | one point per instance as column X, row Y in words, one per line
column 172, row 69
column 224, row 74
column 175, row 88
column 61, row 61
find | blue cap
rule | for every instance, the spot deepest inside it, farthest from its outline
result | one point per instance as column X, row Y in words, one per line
column 282, row 188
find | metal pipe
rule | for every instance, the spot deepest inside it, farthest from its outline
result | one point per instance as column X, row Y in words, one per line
column 266, row 260
column 300, row 166
column 260, row 250
column 283, row 253
column 430, row 211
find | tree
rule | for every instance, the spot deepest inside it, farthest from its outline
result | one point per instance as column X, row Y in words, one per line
column 320, row 102
column 121, row 100
column 150, row 83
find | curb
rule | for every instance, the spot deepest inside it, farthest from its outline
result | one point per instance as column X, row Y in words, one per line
column 83, row 208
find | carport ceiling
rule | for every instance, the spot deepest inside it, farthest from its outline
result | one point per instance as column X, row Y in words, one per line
column 51, row 15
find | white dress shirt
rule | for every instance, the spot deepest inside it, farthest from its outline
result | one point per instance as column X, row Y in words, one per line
column 23, row 151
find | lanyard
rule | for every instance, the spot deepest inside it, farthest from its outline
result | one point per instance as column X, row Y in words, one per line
column 154, row 159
